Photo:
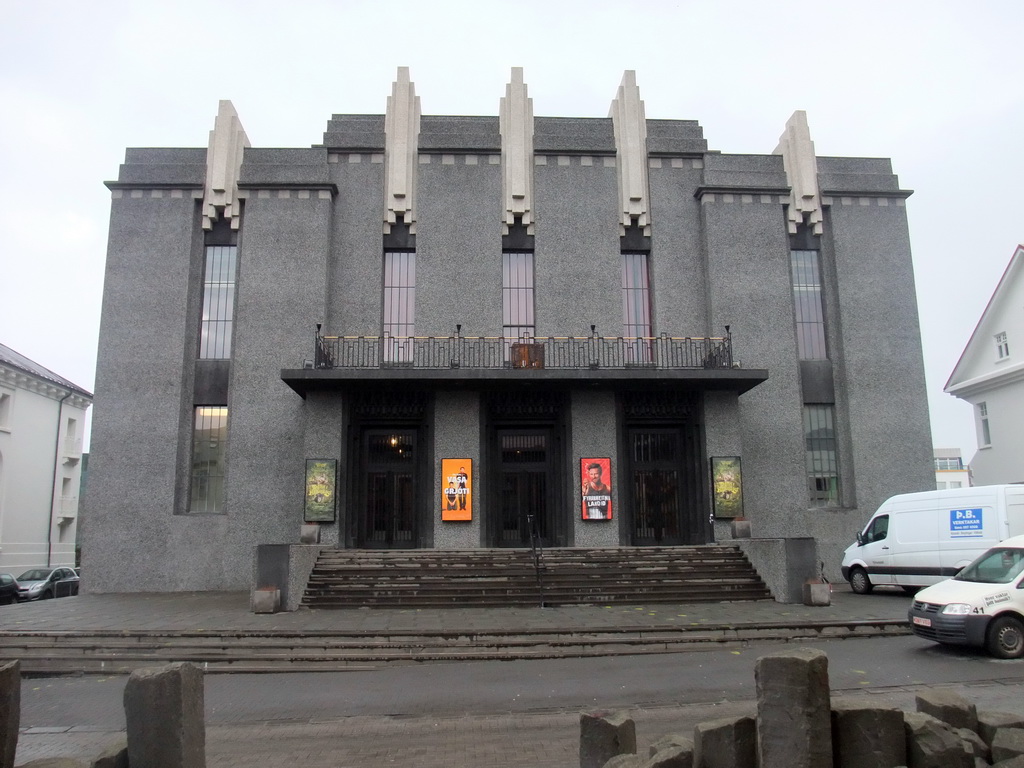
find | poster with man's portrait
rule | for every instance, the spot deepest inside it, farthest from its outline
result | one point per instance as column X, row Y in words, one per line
column 456, row 489
column 321, row 487
column 596, row 484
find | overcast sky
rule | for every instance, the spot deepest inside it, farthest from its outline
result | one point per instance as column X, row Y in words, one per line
column 935, row 85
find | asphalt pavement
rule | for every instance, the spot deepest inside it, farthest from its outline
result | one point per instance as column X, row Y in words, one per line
column 464, row 714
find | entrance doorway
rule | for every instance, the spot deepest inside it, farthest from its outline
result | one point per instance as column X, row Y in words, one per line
column 665, row 486
column 525, row 486
column 386, row 511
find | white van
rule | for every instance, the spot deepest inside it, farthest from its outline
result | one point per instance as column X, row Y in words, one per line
column 917, row 539
column 983, row 605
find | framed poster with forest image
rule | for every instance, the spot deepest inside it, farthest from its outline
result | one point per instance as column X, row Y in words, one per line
column 727, row 486
column 321, row 487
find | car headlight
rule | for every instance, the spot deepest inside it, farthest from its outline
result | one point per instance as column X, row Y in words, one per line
column 957, row 609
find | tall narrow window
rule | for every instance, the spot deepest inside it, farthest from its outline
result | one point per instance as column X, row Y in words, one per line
column 517, row 320
column 209, row 444
column 1002, row 346
column 822, row 464
column 808, row 307
column 399, row 305
column 218, row 302
column 636, row 307
column 985, row 435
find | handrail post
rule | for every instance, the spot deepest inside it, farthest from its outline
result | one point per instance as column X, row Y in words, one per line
column 728, row 352
column 536, row 548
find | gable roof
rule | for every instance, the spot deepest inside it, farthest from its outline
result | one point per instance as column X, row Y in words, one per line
column 17, row 360
column 1014, row 271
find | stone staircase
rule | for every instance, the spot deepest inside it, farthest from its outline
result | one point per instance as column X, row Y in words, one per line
column 347, row 578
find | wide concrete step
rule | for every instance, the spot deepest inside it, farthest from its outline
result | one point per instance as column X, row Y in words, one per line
column 280, row 651
column 557, row 576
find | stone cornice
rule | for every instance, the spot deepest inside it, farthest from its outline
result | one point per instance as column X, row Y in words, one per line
column 18, row 379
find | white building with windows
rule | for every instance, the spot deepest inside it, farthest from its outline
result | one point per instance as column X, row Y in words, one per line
column 990, row 376
column 950, row 471
column 42, row 418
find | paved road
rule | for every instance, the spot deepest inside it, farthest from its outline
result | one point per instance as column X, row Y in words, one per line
column 494, row 713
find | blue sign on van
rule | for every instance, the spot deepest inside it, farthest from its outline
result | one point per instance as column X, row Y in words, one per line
column 965, row 523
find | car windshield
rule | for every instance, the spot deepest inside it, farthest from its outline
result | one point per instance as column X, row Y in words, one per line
column 997, row 566
column 36, row 574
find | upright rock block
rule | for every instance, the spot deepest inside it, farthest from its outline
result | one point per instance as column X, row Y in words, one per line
column 603, row 736
column 1007, row 744
column 10, row 711
column 726, row 743
column 931, row 743
column 949, row 707
column 794, row 725
column 163, row 709
column 990, row 721
column 867, row 737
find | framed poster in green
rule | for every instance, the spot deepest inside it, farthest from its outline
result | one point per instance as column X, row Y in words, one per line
column 321, row 490
column 727, row 486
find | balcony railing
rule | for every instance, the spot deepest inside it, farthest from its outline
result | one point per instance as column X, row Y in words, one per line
column 550, row 352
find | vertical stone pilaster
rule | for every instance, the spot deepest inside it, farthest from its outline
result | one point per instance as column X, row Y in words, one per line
column 794, row 727
column 10, row 711
column 164, row 713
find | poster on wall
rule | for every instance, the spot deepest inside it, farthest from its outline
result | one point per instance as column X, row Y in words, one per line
column 321, row 487
column 727, row 482
column 596, row 476
column 456, row 489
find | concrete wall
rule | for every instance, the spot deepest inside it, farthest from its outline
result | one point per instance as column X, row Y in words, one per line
column 310, row 251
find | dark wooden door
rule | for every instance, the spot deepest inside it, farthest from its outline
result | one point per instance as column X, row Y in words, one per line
column 524, row 484
column 387, row 499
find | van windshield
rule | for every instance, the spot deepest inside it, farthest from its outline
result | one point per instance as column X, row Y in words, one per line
column 1000, row 565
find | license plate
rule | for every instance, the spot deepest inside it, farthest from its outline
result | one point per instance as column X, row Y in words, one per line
column 922, row 622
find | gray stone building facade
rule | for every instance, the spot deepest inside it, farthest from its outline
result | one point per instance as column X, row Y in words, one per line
column 527, row 296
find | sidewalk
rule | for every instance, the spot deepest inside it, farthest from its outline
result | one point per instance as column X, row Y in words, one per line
column 229, row 611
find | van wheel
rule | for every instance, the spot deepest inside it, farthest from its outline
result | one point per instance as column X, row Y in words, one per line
column 1006, row 638
column 859, row 581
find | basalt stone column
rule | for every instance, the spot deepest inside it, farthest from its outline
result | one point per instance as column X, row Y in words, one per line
column 726, row 743
column 867, row 737
column 605, row 735
column 10, row 711
column 163, row 709
column 794, row 727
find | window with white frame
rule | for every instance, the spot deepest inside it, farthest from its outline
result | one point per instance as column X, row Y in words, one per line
column 636, row 308
column 399, row 305
column 218, row 302
column 517, row 303
column 6, row 397
column 1002, row 346
column 822, row 459
column 984, row 435
column 808, row 307
column 209, row 459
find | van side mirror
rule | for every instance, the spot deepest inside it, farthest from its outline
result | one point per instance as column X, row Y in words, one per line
column 860, row 539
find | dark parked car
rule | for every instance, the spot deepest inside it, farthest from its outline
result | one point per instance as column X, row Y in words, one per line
column 8, row 589
column 44, row 583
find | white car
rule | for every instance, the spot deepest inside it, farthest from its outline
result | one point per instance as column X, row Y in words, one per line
column 983, row 605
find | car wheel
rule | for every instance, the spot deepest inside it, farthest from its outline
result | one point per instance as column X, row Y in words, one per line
column 910, row 589
column 1006, row 638
column 46, row 595
column 860, row 582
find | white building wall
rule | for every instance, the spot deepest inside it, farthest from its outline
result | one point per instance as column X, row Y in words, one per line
column 35, row 467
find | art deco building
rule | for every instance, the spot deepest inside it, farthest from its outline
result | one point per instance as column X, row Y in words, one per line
column 339, row 332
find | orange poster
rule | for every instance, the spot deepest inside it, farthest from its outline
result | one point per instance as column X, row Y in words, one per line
column 456, row 489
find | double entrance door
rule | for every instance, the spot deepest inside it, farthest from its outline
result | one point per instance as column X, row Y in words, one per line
column 526, row 487
column 666, row 488
column 387, row 497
